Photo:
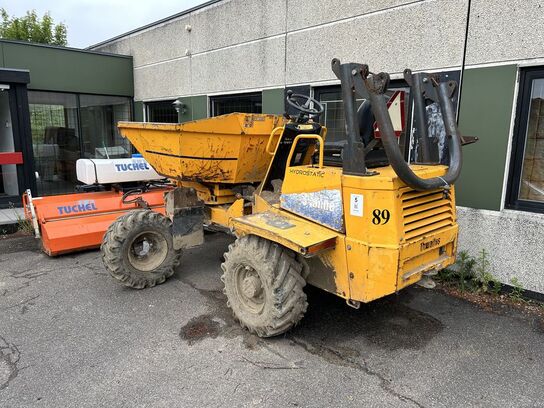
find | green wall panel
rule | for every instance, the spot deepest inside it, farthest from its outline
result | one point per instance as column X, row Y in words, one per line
column 138, row 111
column 196, row 107
column 68, row 70
column 187, row 115
column 273, row 101
column 486, row 110
column 199, row 107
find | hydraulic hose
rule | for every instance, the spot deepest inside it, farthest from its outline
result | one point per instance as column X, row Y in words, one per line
column 396, row 158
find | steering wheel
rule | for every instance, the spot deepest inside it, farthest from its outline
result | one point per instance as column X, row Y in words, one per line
column 302, row 103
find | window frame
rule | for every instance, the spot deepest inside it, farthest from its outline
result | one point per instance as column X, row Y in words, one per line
column 519, row 141
column 79, row 128
column 227, row 97
column 395, row 83
column 150, row 104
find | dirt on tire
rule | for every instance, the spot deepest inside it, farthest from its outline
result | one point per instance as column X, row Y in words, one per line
column 283, row 302
column 118, row 243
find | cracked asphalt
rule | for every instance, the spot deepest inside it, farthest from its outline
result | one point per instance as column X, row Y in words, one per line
column 71, row 337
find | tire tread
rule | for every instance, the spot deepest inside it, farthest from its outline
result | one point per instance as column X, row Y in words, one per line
column 113, row 246
column 282, row 269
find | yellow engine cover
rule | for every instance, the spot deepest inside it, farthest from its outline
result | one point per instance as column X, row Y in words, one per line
column 388, row 235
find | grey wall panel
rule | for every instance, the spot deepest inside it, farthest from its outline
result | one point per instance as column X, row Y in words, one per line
column 430, row 36
column 236, row 21
column 512, row 239
column 252, row 65
column 170, row 79
column 161, row 44
column 505, row 30
column 307, row 13
column 421, row 35
column 118, row 47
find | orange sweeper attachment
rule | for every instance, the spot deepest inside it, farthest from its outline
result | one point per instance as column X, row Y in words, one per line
column 75, row 222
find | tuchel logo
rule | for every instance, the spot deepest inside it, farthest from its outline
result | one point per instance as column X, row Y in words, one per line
column 134, row 166
column 81, row 206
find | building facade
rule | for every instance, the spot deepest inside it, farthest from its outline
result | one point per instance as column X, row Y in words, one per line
column 57, row 105
column 242, row 55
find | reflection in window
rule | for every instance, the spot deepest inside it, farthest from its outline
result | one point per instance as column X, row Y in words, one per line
column 55, row 140
column 59, row 139
column 99, row 117
column 532, row 175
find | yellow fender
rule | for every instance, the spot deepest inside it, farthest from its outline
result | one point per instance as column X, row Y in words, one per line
column 302, row 236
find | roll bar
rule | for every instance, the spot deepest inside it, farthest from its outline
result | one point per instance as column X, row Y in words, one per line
column 425, row 87
column 353, row 156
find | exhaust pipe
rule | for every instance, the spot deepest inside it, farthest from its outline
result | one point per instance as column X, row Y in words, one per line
column 425, row 86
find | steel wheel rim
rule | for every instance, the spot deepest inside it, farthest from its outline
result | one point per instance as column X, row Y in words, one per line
column 249, row 289
column 147, row 251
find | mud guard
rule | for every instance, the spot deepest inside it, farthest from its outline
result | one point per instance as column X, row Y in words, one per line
column 302, row 236
column 187, row 214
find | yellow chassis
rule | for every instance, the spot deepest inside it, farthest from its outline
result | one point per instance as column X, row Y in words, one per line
column 396, row 237
column 361, row 237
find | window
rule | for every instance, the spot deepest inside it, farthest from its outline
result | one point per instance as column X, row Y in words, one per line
column 526, row 187
column 99, row 117
column 245, row 103
column 55, row 140
column 161, row 112
column 66, row 127
column 333, row 117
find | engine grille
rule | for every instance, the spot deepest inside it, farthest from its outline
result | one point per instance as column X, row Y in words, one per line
column 424, row 212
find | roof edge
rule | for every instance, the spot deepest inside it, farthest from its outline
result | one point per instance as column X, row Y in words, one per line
column 59, row 47
column 161, row 21
column 14, row 75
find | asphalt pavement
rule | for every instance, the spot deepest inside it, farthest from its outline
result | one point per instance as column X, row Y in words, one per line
column 71, row 337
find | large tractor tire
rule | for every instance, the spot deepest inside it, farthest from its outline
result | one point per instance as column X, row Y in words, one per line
column 138, row 251
column 264, row 286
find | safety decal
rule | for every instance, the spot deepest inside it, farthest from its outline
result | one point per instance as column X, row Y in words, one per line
column 356, row 205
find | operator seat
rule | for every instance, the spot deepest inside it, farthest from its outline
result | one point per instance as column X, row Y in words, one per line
column 374, row 158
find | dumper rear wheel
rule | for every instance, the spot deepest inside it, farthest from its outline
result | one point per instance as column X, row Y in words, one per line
column 264, row 285
column 138, row 251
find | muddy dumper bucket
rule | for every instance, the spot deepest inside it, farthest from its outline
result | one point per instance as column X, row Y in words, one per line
column 227, row 149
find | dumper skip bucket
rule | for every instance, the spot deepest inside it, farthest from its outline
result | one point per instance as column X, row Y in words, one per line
column 224, row 149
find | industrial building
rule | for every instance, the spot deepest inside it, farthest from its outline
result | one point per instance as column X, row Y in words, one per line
column 57, row 105
column 236, row 55
column 60, row 104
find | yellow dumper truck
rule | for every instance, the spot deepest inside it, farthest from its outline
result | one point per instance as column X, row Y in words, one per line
column 362, row 228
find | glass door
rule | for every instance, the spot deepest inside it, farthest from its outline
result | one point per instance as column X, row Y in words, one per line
column 55, row 141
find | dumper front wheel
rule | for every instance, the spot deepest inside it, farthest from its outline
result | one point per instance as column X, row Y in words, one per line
column 138, row 251
column 264, row 285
